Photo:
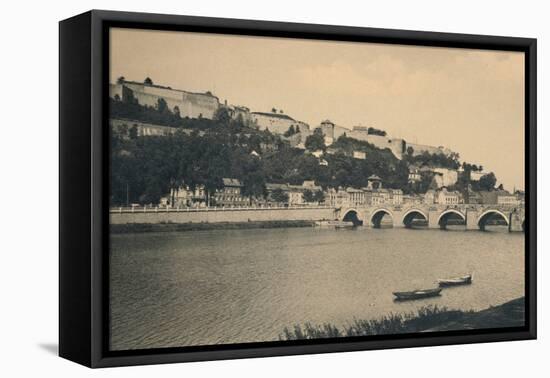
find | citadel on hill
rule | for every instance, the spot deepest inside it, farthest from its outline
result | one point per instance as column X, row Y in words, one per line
column 442, row 178
column 204, row 105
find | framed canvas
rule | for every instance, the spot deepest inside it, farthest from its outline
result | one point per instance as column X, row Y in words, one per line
column 234, row 188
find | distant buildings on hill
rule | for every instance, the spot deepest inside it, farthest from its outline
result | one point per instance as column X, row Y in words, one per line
column 284, row 194
column 187, row 104
column 204, row 105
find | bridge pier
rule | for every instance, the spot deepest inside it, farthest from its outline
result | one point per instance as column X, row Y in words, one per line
column 515, row 222
column 397, row 219
column 471, row 220
column 433, row 219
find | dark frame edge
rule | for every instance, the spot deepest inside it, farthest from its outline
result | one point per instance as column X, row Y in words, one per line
column 75, row 273
column 531, row 178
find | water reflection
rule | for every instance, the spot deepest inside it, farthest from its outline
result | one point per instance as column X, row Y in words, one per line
column 231, row 286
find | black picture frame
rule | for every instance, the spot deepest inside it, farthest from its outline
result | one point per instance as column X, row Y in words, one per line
column 83, row 181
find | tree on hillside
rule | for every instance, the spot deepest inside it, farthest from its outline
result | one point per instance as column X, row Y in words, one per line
column 410, row 151
column 133, row 132
column 487, row 182
column 291, row 131
column 374, row 131
column 148, row 81
column 278, row 195
column 249, row 169
column 222, row 116
column 121, row 80
column 177, row 111
column 319, row 196
column 315, row 141
column 162, row 106
column 273, row 110
column 308, row 196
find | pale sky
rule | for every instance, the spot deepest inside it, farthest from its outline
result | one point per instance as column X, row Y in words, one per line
column 471, row 101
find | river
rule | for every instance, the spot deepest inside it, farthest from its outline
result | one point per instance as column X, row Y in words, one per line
column 173, row 289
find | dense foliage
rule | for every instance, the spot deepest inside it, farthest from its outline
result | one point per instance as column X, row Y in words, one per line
column 203, row 151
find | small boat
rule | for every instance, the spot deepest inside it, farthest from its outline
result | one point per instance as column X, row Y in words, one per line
column 416, row 294
column 464, row 280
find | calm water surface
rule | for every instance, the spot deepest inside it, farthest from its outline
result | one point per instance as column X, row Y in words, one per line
column 234, row 286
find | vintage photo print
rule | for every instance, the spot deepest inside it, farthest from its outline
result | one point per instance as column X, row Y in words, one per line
column 269, row 189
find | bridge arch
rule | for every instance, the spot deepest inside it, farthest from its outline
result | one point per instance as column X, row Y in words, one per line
column 353, row 215
column 488, row 214
column 413, row 214
column 377, row 215
column 448, row 214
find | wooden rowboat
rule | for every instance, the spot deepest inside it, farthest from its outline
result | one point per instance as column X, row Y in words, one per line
column 416, row 294
column 464, row 280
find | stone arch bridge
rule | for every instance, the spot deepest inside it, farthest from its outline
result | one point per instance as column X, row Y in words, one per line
column 474, row 217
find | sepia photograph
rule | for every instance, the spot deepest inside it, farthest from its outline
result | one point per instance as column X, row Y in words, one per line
column 268, row 189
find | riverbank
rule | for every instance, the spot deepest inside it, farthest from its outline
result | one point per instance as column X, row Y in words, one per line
column 427, row 319
column 180, row 227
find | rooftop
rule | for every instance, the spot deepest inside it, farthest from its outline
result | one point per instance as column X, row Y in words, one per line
column 207, row 93
column 231, row 182
column 274, row 115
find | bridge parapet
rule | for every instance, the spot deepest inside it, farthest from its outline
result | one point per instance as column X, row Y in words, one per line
column 474, row 216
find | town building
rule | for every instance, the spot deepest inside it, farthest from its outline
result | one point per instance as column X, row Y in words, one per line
column 446, row 197
column 295, row 193
column 359, row 155
column 337, row 197
column 230, row 194
column 506, row 198
column 414, row 174
column 374, row 182
column 185, row 196
column 472, row 197
column 395, row 196
column 520, row 195
column 356, row 197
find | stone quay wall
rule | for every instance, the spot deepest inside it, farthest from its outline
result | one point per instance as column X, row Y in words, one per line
column 221, row 215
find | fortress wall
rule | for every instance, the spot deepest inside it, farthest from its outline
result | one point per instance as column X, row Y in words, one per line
column 191, row 105
column 217, row 216
column 421, row 148
column 339, row 131
column 198, row 104
column 115, row 89
column 166, row 93
column 136, row 87
column 395, row 145
column 275, row 124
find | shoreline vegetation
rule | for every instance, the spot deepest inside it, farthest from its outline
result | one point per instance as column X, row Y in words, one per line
column 426, row 319
column 179, row 227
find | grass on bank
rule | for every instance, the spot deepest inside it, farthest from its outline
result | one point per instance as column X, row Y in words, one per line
column 428, row 318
